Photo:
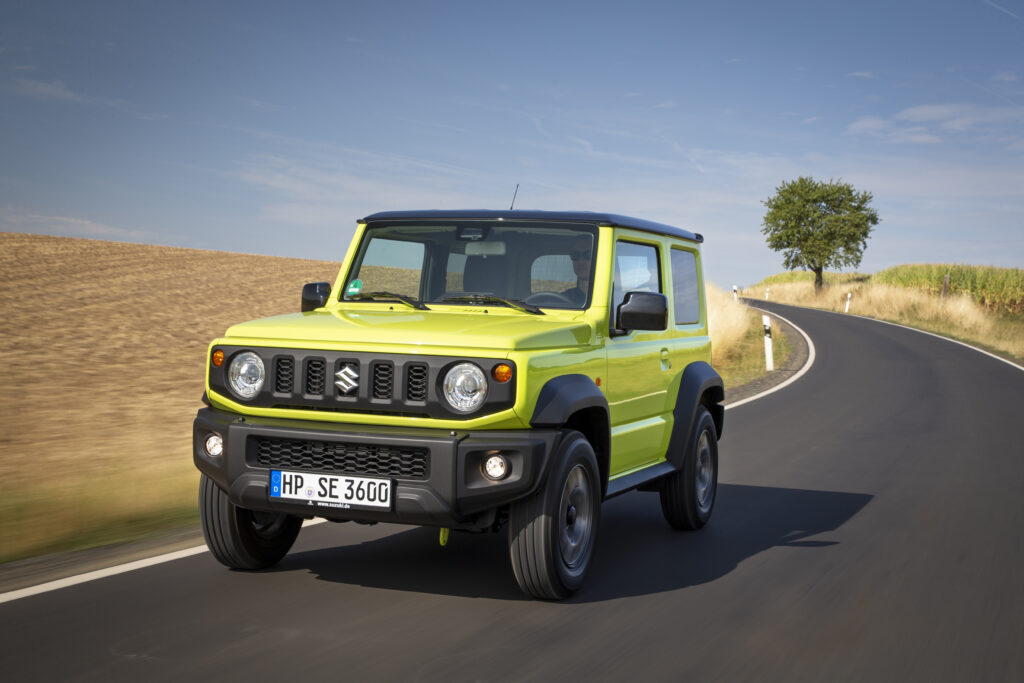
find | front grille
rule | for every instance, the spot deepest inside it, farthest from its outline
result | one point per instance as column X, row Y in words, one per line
column 402, row 385
column 383, row 380
column 416, row 383
column 316, row 376
column 409, row 462
column 284, row 375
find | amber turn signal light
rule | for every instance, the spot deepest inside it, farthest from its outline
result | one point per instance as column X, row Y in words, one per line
column 218, row 358
column 502, row 372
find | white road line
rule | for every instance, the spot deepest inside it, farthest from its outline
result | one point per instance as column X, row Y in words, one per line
column 112, row 571
column 798, row 375
column 168, row 557
column 937, row 336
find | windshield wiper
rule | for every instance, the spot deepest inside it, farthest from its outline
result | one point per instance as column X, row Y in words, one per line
column 408, row 301
column 491, row 299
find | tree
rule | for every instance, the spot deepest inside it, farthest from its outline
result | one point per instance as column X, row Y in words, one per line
column 819, row 225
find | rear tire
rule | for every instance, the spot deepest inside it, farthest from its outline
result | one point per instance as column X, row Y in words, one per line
column 241, row 538
column 552, row 533
column 688, row 496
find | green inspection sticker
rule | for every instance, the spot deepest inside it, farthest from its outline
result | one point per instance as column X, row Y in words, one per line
column 354, row 287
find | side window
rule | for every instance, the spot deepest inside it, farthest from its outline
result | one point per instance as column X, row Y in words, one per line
column 636, row 269
column 685, row 287
column 392, row 266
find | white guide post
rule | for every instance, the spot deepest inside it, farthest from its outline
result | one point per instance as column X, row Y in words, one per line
column 735, row 293
column 766, row 293
column 848, row 295
column 769, row 357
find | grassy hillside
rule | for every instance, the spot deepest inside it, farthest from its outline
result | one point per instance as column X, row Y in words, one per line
column 103, row 346
column 983, row 305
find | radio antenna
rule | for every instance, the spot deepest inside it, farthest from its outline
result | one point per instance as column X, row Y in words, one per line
column 514, row 197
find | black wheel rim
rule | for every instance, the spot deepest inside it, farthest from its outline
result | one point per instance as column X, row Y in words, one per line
column 704, row 479
column 575, row 518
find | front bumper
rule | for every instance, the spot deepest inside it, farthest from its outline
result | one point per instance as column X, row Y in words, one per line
column 450, row 490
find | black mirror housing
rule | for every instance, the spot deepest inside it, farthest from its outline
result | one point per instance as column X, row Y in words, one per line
column 642, row 311
column 315, row 295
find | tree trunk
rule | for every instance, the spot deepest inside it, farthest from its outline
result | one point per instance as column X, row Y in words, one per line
column 819, row 280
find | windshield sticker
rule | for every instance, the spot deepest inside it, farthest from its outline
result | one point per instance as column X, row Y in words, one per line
column 354, row 287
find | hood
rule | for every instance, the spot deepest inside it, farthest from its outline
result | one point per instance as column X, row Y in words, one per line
column 504, row 331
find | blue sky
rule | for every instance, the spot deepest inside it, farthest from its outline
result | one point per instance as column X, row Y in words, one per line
column 271, row 127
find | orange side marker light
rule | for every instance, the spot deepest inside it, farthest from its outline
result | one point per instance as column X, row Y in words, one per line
column 502, row 372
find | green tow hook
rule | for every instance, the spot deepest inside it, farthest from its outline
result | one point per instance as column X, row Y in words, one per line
column 444, row 536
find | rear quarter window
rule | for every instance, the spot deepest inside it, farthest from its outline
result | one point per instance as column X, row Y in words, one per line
column 685, row 287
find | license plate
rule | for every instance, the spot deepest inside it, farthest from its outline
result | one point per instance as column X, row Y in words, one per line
column 331, row 490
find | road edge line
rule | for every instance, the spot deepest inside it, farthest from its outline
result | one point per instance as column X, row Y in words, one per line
column 800, row 373
column 905, row 327
column 66, row 582
column 936, row 335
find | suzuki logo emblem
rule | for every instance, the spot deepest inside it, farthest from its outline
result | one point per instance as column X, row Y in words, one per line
column 348, row 379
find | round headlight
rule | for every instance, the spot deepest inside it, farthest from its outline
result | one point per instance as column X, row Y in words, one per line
column 246, row 374
column 465, row 387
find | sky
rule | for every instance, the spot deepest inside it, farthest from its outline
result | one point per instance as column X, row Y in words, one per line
column 272, row 127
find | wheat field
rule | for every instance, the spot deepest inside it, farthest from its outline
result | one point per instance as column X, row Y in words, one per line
column 103, row 345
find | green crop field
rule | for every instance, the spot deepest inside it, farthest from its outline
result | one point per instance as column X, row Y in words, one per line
column 998, row 289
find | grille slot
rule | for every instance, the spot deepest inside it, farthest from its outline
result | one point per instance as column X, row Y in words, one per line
column 284, row 375
column 416, row 382
column 409, row 462
column 316, row 376
column 383, row 380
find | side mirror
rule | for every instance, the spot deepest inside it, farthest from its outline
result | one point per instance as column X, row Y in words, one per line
column 315, row 295
column 642, row 311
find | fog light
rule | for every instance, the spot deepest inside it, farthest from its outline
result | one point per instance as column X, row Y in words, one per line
column 214, row 444
column 496, row 467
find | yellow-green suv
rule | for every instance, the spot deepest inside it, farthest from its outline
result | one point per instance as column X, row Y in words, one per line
column 470, row 370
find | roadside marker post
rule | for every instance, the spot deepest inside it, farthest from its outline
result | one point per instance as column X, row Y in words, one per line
column 848, row 295
column 769, row 357
column 735, row 293
column 767, row 292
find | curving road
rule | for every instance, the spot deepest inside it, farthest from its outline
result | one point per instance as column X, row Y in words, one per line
column 869, row 526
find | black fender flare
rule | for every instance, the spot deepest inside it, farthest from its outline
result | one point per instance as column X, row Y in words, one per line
column 700, row 385
column 576, row 402
column 564, row 395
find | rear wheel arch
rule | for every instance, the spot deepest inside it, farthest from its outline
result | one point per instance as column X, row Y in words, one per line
column 699, row 386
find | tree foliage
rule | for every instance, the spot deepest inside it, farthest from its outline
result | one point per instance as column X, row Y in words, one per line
column 819, row 225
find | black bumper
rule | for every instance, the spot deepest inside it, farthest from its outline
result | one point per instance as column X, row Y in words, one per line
column 450, row 490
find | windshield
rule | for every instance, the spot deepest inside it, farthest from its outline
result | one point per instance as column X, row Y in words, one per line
column 538, row 264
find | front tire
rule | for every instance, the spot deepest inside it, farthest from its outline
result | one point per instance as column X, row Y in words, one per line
column 688, row 496
column 241, row 538
column 552, row 533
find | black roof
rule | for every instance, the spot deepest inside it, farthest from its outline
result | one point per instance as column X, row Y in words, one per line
column 558, row 216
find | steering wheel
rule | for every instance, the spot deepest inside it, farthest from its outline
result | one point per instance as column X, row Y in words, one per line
column 542, row 298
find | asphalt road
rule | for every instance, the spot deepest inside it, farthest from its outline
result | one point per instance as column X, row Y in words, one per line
column 869, row 526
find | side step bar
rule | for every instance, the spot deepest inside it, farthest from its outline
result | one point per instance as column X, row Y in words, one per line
column 617, row 487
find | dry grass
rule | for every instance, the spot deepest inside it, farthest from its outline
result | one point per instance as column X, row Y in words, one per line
column 737, row 339
column 103, row 346
column 958, row 316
